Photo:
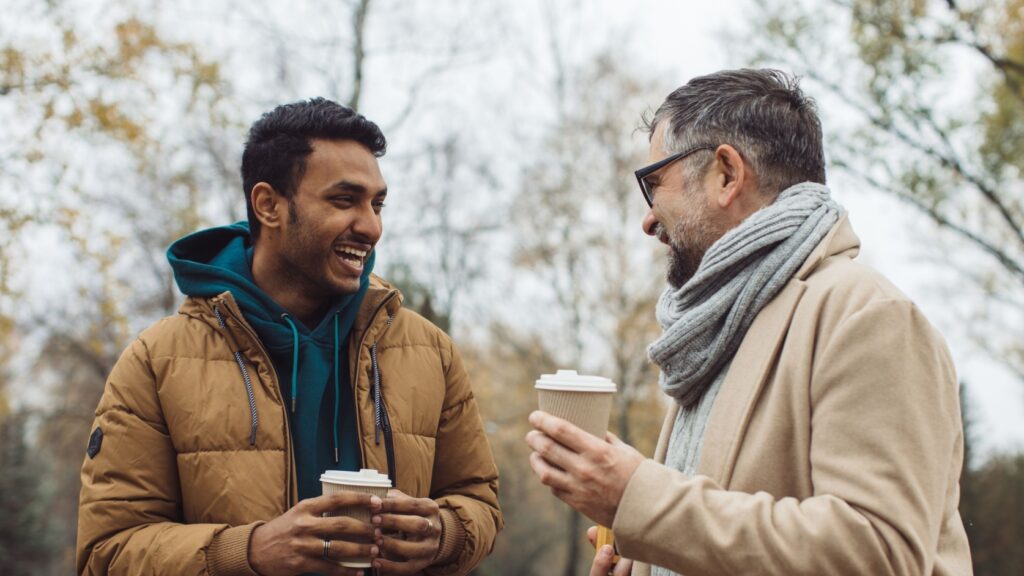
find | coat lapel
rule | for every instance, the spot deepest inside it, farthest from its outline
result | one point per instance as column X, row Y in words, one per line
column 743, row 383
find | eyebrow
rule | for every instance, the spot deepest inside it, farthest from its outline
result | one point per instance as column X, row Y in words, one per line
column 347, row 186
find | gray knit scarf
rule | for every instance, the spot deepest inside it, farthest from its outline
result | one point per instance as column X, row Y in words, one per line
column 705, row 320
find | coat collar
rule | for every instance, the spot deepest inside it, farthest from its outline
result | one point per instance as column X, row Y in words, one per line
column 753, row 362
column 379, row 294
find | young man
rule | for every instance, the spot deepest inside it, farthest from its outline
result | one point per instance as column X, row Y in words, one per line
column 287, row 359
column 815, row 423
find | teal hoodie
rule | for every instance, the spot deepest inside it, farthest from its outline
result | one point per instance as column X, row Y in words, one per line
column 311, row 365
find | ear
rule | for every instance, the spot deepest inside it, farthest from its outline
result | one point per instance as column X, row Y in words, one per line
column 733, row 175
column 270, row 207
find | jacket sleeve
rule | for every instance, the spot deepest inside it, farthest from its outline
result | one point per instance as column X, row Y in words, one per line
column 465, row 479
column 886, row 450
column 129, row 514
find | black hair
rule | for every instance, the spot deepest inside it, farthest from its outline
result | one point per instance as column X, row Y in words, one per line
column 279, row 142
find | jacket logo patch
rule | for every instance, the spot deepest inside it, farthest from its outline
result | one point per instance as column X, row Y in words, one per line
column 95, row 441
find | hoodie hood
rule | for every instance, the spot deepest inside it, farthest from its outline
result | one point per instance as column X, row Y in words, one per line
column 217, row 260
column 310, row 363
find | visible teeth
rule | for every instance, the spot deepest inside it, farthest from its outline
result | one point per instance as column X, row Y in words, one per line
column 359, row 254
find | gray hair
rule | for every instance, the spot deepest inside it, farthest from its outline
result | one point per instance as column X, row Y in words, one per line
column 761, row 113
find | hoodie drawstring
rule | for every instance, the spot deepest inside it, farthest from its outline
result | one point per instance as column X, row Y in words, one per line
column 254, row 417
column 295, row 360
column 337, row 368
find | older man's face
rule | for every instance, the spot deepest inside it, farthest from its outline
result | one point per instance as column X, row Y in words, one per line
column 681, row 216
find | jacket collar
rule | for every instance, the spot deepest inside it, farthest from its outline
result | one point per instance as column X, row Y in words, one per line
column 753, row 362
column 379, row 294
column 840, row 240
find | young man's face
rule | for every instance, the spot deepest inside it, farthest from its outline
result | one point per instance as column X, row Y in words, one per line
column 334, row 218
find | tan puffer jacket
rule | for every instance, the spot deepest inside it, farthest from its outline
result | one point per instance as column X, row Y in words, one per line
column 195, row 449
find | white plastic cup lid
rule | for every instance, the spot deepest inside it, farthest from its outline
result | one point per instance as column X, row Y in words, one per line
column 570, row 381
column 365, row 477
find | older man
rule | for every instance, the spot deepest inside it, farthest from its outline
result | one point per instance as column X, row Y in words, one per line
column 815, row 422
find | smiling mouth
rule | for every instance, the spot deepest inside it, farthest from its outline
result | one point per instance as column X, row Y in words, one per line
column 354, row 257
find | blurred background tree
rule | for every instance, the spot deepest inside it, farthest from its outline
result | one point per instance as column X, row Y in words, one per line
column 925, row 101
column 513, row 221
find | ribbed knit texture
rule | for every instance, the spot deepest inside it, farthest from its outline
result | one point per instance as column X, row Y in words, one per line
column 228, row 554
column 705, row 320
column 453, row 539
column 687, row 437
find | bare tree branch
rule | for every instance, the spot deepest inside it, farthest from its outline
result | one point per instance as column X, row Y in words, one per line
column 1005, row 259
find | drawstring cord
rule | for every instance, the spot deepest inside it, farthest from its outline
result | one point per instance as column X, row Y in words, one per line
column 295, row 359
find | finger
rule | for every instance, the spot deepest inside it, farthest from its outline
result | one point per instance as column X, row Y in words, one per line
column 411, row 506
column 549, row 475
column 342, row 528
column 592, row 535
column 552, row 451
column 623, row 567
column 564, row 432
column 409, row 549
column 337, row 500
column 602, row 561
column 314, row 548
column 390, row 567
column 413, row 525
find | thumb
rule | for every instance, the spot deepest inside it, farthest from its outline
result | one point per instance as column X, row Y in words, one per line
column 592, row 535
column 602, row 561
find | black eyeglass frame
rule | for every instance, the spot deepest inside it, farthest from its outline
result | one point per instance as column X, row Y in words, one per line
column 641, row 174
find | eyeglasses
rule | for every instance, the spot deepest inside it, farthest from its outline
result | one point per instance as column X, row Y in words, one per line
column 641, row 175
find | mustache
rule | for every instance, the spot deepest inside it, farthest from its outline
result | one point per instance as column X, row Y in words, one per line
column 660, row 233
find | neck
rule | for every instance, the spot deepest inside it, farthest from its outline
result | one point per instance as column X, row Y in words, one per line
column 271, row 275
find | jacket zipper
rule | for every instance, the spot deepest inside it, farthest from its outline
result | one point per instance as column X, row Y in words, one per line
column 355, row 372
column 253, row 415
column 284, row 410
column 384, row 422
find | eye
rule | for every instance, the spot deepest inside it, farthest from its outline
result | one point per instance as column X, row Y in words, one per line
column 378, row 206
column 343, row 199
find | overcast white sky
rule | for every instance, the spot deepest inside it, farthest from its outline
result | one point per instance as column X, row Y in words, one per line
column 679, row 40
column 674, row 41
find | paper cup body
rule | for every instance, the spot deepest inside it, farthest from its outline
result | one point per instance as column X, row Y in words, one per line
column 586, row 401
column 365, row 481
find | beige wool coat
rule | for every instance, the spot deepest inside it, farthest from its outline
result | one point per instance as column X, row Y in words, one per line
column 179, row 482
column 834, row 446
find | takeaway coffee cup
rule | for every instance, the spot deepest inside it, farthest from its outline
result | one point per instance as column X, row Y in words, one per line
column 586, row 401
column 366, row 481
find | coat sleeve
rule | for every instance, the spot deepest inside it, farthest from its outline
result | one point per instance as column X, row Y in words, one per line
column 465, row 479
column 129, row 515
column 886, row 451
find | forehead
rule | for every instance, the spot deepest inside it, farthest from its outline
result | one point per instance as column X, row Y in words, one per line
column 334, row 160
column 657, row 147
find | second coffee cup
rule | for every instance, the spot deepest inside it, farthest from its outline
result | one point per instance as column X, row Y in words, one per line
column 586, row 401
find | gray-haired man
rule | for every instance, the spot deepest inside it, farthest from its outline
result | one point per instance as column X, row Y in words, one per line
column 815, row 423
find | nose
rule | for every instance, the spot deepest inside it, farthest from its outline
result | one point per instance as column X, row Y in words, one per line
column 649, row 223
column 368, row 225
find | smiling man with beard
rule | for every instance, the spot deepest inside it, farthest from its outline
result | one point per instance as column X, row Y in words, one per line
column 815, row 422
column 289, row 359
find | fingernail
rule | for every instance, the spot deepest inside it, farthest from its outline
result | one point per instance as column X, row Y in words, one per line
column 376, row 501
column 377, row 533
column 375, row 520
column 606, row 551
column 374, row 550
